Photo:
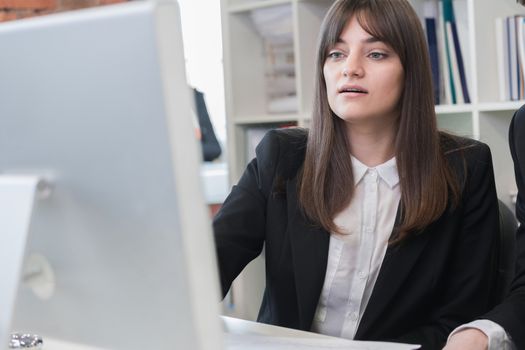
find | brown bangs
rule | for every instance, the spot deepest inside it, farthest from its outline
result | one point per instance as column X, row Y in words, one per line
column 376, row 17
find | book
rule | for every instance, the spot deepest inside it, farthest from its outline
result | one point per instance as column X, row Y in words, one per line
column 502, row 59
column 448, row 16
column 520, row 48
column 431, row 17
column 446, row 90
column 453, row 64
column 430, row 25
column 459, row 62
column 513, row 58
column 456, row 68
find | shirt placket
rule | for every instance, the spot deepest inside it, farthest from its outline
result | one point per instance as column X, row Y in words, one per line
column 367, row 237
column 336, row 248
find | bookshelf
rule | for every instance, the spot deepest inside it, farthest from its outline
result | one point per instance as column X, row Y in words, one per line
column 245, row 71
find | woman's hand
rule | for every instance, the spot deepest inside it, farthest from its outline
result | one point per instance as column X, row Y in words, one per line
column 468, row 339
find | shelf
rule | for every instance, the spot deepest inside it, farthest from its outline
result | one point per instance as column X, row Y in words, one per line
column 248, row 6
column 452, row 109
column 500, row 106
column 268, row 118
column 440, row 110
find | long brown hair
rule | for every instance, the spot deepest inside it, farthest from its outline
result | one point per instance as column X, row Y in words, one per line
column 427, row 183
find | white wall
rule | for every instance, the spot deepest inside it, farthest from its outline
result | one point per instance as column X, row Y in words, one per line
column 201, row 30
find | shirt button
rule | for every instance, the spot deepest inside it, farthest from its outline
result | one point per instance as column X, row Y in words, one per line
column 354, row 316
column 361, row 274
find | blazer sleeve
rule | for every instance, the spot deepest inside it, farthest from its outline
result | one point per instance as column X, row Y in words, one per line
column 240, row 225
column 467, row 282
column 510, row 314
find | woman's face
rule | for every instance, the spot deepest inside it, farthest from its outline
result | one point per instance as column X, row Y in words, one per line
column 364, row 77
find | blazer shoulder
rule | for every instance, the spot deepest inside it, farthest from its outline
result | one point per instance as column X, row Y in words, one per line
column 287, row 139
column 464, row 149
column 284, row 149
column 469, row 159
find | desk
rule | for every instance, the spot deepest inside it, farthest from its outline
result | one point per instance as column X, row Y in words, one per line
column 240, row 332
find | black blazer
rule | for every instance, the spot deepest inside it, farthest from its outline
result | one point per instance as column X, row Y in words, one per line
column 510, row 314
column 426, row 286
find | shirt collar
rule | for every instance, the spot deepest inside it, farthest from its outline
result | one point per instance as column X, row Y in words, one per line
column 387, row 171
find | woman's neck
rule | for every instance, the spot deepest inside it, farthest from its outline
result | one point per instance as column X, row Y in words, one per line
column 372, row 146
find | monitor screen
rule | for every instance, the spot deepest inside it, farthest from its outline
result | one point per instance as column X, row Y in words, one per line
column 120, row 253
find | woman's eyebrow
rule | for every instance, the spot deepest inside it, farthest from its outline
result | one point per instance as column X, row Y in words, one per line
column 369, row 40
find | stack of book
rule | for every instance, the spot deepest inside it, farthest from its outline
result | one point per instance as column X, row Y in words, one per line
column 448, row 70
column 274, row 24
column 510, row 49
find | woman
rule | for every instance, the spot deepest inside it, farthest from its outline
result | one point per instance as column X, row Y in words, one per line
column 375, row 225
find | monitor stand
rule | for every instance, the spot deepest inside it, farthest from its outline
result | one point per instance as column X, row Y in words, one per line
column 17, row 196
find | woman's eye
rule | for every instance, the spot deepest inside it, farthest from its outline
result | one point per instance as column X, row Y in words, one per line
column 377, row 55
column 335, row 55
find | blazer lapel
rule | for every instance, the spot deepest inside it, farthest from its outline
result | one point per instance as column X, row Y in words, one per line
column 397, row 264
column 309, row 245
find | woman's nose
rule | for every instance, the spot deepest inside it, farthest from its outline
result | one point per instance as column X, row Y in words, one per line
column 353, row 67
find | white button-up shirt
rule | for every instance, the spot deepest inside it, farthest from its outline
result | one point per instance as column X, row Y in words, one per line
column 356, row 255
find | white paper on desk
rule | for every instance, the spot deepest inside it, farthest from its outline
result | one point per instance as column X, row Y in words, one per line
column 260, row 342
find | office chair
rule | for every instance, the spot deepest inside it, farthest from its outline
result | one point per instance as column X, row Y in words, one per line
column 504, row 257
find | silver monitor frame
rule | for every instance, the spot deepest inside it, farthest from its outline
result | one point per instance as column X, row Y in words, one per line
column 96, row 103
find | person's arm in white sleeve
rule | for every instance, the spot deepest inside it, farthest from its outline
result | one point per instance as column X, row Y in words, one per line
column 479, row 335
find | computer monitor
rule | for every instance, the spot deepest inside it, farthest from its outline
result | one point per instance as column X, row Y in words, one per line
column 95, row 104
